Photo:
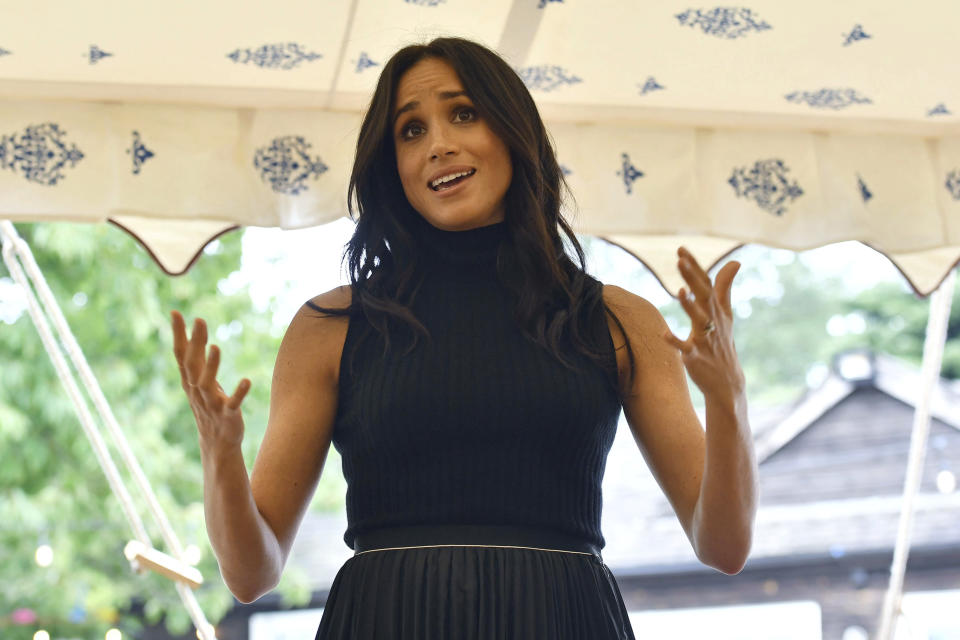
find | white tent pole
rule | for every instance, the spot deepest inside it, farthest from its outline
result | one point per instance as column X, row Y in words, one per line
column 930, row 373
column 14, row 247
column 11, row 240
column 92, row 386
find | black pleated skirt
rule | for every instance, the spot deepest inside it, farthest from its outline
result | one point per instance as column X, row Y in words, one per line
column 473, row 583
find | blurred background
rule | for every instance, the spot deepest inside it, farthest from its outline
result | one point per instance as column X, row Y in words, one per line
column 830, row 488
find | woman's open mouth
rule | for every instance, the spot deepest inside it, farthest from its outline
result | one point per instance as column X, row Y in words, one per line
column 447, row 182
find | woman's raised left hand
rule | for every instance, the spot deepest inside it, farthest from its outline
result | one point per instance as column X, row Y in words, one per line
column 708, row 352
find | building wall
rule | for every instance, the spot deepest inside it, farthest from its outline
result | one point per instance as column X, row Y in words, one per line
column 850, row 591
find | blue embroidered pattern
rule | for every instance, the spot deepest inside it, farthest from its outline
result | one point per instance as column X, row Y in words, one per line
column 628, row 172
column 828, row 98
column 650, row 85
column 97, row 54
column 565, row 171
column 543, row 3
column 139, row 153
column 40, row 152
column 723, row 22
column 939, row 110
column 285, row 164
column 953, row 183
column 364, row 62
column 4, row 52
column 425, row 3
column 864, row 192
column 274, row 56
column 767, row 184
column 546, row 77
column 853, row 36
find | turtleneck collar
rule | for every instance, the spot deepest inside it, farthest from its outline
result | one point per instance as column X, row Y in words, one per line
column 476, row 246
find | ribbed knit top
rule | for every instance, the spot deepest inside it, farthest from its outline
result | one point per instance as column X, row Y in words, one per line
column 480, row 425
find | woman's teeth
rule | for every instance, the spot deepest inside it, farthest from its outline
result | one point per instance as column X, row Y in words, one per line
column 447, row 181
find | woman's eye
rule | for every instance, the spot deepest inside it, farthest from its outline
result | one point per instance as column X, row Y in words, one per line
column 411, row 130
column 414, row 129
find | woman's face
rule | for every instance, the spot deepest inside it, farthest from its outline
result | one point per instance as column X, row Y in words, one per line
column 438, row 134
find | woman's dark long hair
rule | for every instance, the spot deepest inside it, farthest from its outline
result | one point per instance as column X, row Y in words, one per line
column 555, row 300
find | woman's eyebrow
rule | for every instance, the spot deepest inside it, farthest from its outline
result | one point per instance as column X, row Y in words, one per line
column 413, row 104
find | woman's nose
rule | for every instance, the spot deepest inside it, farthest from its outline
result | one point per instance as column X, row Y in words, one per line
column 442, row 143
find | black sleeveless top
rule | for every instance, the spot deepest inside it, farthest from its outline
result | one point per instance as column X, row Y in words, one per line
column 479, row 425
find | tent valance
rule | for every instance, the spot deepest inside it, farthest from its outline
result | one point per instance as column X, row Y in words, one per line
column 717, row 125
column 178, row 176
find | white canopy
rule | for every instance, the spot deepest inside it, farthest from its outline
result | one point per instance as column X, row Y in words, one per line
column 775, row 123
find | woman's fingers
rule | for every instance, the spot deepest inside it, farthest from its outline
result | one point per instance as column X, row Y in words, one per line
column 207, row 383
column 199, row 373
column 180, row 347
column 242, row 388
column 193, row 358
column 698, row 317
column 677, row 343
column 694, row 274
column 725, row 284
column 179, row 335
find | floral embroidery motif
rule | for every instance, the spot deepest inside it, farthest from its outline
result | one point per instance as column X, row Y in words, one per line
column 953, row 183
column 286, row 164
column 274, row 56
column 546, row 77
column 364, row 62
column 96, row 54
column 864, row 191
column 4, row 52
column 939, row 110
column 565, row 171
column 723, row 22
column 766, row 184
column 856, row 34
column 650, row 85
column 543, row 3
column 828, row 98
column 425, row 3
column 139, row 153
column 40, row 152
column 628, row 172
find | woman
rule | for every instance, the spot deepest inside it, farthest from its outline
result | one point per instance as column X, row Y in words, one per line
column 473, row 456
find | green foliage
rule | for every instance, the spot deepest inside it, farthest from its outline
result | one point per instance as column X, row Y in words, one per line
column 52, row 490
column 896, row 323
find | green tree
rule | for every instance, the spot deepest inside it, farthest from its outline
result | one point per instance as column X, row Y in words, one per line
column 117, row 302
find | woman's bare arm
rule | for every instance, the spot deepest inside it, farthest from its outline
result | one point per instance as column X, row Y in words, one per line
column 709, row 476
column 251, row 521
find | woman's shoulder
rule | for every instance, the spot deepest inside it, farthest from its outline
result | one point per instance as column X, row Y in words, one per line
column 337, row 298
column 614, row 295
column 640, row 318
column 314, row 338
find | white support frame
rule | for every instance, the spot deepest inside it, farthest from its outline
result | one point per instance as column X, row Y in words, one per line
column 14, row 249
column 933, row 345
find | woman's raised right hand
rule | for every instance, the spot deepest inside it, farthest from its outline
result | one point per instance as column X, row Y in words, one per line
column 218, row 416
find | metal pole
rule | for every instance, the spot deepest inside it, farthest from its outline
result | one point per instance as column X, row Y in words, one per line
column 13, row 248
column 929, row 374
